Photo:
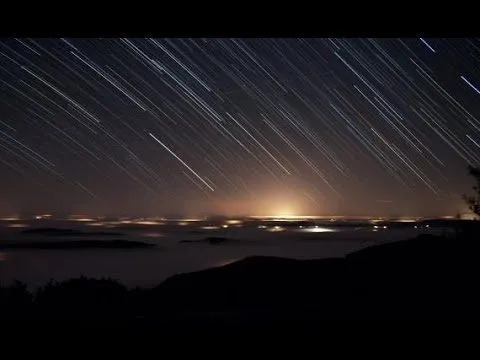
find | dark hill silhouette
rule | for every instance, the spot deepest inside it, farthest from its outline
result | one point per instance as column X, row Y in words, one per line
column 430, row 277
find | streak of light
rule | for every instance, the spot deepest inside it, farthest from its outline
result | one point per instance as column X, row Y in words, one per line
column 427, row 45
column 470, row 84
column 182, row 162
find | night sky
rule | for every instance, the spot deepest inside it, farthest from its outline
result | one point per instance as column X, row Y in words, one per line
column 382, row 127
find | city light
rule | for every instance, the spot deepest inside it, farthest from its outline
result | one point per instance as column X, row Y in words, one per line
column 316, row 229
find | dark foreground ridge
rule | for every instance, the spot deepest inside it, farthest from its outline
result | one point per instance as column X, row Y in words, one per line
column 426, row 278
column 74, row 244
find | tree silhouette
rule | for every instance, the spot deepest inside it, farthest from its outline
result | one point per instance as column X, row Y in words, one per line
column 474, row 201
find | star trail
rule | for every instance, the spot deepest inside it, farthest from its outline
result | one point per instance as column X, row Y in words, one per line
column 382, row 127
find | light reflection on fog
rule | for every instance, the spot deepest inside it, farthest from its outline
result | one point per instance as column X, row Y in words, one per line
column 316, row 229
column 174, row 253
